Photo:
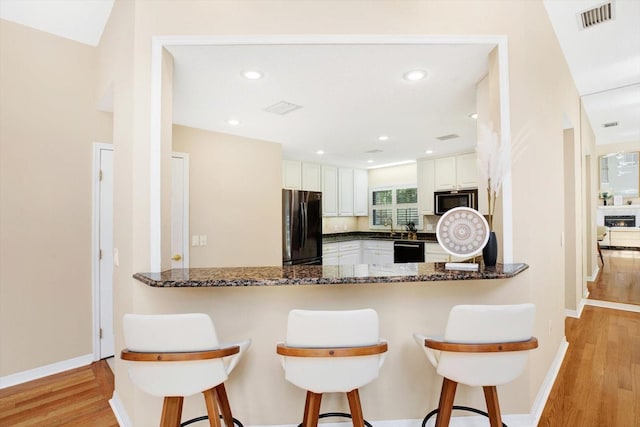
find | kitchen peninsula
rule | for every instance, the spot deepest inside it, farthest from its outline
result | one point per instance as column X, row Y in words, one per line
column 321, row 275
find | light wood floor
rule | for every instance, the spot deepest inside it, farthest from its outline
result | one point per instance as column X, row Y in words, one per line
column 599, row 382
column 79, row 397
column 619, row 277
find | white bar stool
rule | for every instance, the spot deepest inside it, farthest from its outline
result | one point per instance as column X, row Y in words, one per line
column 332, row 351
column 483, row 345
column 178, row 355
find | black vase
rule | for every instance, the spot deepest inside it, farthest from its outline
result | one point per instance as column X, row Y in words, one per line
column 490, row 251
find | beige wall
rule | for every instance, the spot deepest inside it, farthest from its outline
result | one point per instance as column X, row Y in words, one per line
column 393, row 175
column 48, row 124
column 541, row 92
column 234, row 198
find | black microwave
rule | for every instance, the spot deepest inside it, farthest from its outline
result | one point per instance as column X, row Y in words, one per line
column 445, row 200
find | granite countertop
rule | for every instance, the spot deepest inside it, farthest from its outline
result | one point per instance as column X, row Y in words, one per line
column 321, row 275
column 375, row 235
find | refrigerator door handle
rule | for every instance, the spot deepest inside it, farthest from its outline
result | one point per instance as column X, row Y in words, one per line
column 304, row 224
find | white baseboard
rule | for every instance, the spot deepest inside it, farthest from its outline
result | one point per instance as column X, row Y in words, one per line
column 118, row 410
column 546, row 386
column 594, row 275
column 577, row 313
column 613, row 305
column 471, row 421
column 45, row 371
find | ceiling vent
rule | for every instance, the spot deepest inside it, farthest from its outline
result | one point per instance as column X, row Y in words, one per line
column 597, row 15
column 610, row 124
column 446, row 137
column 282, row 108
column 373, row 151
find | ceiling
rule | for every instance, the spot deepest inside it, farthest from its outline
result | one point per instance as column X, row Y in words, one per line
column 328, row 85
column 349, row 95
column 605, row 63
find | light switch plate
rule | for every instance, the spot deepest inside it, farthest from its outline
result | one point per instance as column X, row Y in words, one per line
column 195, row 240
column 203, row 240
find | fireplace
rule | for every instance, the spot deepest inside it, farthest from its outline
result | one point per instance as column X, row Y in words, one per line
column 620, row 220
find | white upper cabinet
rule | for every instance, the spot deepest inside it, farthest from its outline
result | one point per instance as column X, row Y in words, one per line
column 456, row 172
column 345, row 194
column 329, row 191
column 311, row 177
column 426, row 185
column 301, row 176
column 466, row 171
column 445, row 174
column 361, row 192
column 292, row 174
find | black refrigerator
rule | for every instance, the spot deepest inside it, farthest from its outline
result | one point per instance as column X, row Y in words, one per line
column 301, row 227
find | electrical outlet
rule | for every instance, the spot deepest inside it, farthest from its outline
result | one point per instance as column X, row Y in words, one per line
column 550, row 328
column 203, row 240
column 429, row 227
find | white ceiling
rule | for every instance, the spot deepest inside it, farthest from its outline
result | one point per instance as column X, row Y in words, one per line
column 79, row 20
column 605, row 63
column 349, row 94
column 601, row 58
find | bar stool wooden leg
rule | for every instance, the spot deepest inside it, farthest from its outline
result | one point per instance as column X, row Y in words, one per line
column 171, row 411
column 312, row 409
column 445, row 407
column 225, row 408
column 212, row 407
column 493, row 407
column 356, row 409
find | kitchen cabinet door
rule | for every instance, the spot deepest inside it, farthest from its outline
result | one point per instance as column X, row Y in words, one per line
column 311, row 177
column 426, row 186
column 350, row 257
column 361, row 192
column 466, row 171
column 345, row 192
column 329, row 191
column 291, row 174
column 445, row 174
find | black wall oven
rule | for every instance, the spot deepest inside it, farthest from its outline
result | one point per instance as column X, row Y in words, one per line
column 446, row 200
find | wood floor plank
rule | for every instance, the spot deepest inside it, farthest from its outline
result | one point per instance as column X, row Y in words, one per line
column 598, row 384
column 619, row 277
column 78, row 397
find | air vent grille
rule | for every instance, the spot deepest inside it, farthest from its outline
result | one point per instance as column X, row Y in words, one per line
column 597, row 15
column 447, row 137
column 282, row 108
column 373, row 151
column 610, row 124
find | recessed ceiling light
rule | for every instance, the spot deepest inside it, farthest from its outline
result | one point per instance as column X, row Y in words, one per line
column 233, row 122
column 370, row 161
column 473, row 116
column 383, row 138
column 428, row 152
column 415, row 75
column 320, row 152
column 252, row 75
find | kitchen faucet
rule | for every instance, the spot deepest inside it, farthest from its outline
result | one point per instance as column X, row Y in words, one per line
column 389, row 222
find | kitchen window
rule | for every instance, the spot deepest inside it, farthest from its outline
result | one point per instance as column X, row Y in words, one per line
column 394, row 205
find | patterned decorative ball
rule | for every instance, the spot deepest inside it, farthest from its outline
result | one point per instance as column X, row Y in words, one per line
column 462, row 231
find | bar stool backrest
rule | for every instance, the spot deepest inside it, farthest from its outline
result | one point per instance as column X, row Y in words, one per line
column 173, row 333
column 323, row 329
column 486, row 324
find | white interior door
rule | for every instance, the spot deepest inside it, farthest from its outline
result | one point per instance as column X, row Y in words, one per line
column 180, row 210
column 105, row 251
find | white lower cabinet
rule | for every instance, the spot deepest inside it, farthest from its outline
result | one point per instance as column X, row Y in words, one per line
column 377, row 252
column 433, row 252
column 342, row 253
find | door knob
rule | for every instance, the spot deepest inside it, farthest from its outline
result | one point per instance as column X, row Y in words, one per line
column 176, row 257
